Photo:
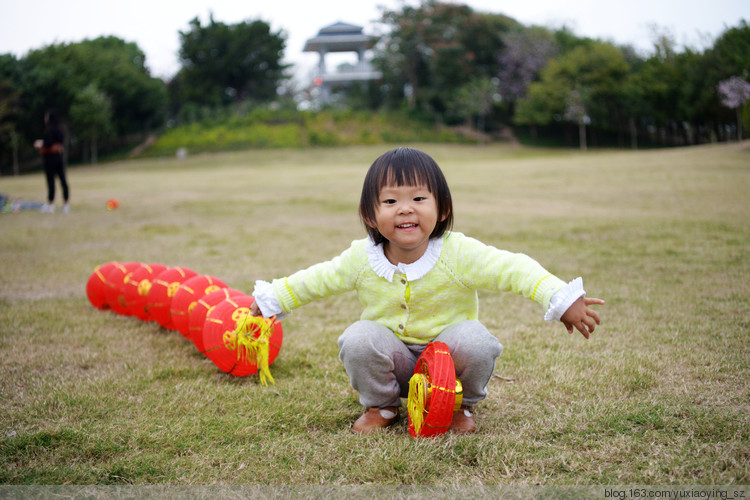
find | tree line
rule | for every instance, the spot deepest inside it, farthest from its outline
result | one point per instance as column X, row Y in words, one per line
column 440, row 62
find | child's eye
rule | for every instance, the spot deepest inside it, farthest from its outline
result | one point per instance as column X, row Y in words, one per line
column 420, row 198
column 389, row 202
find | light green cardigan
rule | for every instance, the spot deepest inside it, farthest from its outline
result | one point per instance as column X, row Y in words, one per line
column 418, row 301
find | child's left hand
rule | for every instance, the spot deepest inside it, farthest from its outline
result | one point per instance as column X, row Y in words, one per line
column 580, row 316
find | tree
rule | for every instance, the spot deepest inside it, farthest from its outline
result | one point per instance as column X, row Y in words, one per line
column 576, row 112
column 91, row 117
column 731, row 51
column 224, row 63
column 525, row 54
column 54, row 75
column 734, row 93
column 435, row 49
column 57, row 73
column 476, row 98
column 9, row 110
column 9, row 107
column 585, row 82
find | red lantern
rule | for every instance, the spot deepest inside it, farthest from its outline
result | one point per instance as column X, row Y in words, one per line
column 188, row 295
column 116, row 279
column 198, row 315
column 163, row 289
column 238, row 343
column 433, row 392
column 137, row 286
column 96, row 286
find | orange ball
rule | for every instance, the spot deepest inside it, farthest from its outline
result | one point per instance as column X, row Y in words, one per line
column 96, row 286
column 112, row 204
column 198, row 315
column 116, row 279
column 137, row 286
column 220, row 341
column 187, row 296
column 163, row 289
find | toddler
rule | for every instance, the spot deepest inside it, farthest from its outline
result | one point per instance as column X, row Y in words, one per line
column 418, row 282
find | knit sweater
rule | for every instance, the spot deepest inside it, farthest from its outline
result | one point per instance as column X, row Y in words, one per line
column 418, row 301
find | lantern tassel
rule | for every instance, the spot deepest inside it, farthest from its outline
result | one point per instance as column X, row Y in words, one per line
column 415, row 404
column 255, row 349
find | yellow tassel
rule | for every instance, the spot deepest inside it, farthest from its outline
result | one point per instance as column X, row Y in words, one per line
column 252, row 349
column 415, row 404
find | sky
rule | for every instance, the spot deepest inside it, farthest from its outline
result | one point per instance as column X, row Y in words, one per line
column 155, row 24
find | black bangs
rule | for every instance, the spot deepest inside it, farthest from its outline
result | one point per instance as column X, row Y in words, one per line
column 405, row 167
column 408, row 169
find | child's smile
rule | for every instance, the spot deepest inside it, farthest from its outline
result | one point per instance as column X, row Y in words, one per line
column 406, row 217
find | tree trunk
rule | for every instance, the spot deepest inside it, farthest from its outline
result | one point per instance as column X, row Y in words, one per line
column 14, row 145
column 739, row 123
column 533, row 133
column 633, row 133
column 93, row 150
column 582, row 134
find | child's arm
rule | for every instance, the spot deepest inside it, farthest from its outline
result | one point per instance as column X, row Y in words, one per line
column 332, row 277
column 581, row 316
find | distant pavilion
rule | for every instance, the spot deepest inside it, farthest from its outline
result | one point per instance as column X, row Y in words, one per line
column 341, row 37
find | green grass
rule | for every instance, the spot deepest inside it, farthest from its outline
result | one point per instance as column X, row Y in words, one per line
column 659, row 395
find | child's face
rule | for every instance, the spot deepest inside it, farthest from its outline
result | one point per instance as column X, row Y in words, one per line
column 406, row 217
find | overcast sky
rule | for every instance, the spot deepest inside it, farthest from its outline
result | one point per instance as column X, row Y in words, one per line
column 155, row 24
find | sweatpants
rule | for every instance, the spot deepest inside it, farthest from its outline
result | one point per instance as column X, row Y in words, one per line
column 379, row 364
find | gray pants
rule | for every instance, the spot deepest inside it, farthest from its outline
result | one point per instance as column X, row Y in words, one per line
column 380, row 364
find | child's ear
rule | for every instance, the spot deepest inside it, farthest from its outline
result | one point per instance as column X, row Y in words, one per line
column 446, row 213
column 367, row 220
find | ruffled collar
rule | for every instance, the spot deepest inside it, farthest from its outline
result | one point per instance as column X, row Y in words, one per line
column 383, row 267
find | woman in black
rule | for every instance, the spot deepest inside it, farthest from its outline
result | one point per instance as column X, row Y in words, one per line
column 51, row 148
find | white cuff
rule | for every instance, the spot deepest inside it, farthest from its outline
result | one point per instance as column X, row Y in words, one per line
column 266, row 299
column 564, row 298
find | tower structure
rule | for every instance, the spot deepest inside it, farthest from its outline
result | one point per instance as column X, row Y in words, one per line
column 341, row 37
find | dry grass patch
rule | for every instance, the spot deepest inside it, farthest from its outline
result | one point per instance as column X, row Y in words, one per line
column 659, row 395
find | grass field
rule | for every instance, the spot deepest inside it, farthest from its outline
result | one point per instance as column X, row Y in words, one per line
column 659, row 395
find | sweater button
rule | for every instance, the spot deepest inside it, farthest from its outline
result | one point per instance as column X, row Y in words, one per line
column 400, row 327
column 403, row 306
column 403, row 281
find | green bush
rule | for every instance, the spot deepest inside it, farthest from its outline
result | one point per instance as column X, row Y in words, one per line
column 261, row 128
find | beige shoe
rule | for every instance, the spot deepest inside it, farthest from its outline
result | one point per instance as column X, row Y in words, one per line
column 375, row 418
column 463, row 421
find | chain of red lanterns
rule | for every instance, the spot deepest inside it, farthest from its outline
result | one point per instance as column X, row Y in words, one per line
column 200, row 307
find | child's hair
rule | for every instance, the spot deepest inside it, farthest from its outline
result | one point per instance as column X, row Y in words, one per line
column 51, row 116
column 405, row 167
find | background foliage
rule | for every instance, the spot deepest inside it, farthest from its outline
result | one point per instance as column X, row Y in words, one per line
column 439, row 62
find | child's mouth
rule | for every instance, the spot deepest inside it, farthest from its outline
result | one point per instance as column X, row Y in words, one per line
column 406, row 226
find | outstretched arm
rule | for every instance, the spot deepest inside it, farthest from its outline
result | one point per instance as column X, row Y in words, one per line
column 581, row 317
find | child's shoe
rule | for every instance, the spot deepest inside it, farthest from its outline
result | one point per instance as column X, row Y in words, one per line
column 66, row 208
column 48, row 208
column 463, row 420
column 375, row 418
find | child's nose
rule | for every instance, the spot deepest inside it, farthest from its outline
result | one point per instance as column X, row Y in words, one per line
column 405, row 208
